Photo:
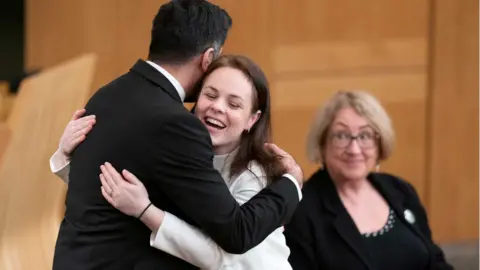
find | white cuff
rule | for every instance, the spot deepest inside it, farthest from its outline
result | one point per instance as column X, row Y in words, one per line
column 153, row 237
column 157, row 238
column 58, row 161
column 60, row 166
column 289, row 176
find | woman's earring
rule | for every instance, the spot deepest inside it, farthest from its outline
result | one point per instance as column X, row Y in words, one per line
column 377, row 168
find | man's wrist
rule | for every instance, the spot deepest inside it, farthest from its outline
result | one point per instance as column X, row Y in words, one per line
column 295, row 182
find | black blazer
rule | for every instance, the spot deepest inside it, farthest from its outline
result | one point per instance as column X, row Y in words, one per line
column 143, row 126
column 322, row 235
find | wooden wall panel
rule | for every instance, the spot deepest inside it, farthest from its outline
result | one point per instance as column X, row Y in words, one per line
column 389, row 55
column 31, row 197
column 5, row 134
column 403, row 96
column 314, row 21
column 118, row 31
column 5, row 101
column 309, row 49
column 311, row 91
column 54, row 31
column 322, row 46
column 453, row 121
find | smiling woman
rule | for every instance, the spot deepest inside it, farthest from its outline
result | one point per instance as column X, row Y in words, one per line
column 234, row 105
column 352, row 217
column 225, row 106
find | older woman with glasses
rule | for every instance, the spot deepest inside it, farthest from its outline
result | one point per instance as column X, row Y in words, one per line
column 351, row 217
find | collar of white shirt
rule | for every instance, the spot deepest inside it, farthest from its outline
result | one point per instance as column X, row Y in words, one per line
column 173, row 81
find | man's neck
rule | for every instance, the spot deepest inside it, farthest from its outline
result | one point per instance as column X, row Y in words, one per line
column 180, row 72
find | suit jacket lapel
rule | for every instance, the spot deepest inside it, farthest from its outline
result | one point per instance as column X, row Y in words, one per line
column 396, row 199
column 343, row 223
column 153, row 75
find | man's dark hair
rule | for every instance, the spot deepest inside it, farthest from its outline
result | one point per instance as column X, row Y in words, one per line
column 183, row 29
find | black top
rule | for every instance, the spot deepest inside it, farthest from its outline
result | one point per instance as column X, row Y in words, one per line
column 142, row 126
column 322, row 235
column 395, row 247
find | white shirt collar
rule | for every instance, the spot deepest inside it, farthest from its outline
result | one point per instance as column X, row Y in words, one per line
column 173, row 81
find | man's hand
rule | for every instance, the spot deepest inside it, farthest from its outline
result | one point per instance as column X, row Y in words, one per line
column 289, row 164
column 75, row 132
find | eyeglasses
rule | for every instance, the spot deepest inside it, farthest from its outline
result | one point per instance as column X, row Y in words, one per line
column 364, row 139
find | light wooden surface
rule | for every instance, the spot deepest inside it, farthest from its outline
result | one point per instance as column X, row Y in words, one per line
column 311, row 48
column 453, row 120
column 5, row 134
column 31, row 198
column 6, row 101
column 4, row 87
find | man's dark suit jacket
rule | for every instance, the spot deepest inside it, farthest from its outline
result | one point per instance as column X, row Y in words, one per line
column 321, row 234
column 142, row 126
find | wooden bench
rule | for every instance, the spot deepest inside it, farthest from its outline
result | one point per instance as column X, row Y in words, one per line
column 31, row 198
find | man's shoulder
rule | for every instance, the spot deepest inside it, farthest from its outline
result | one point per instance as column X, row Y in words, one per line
column 124, row 80
column 177, row 116
column 120, row 88
column 179, row 127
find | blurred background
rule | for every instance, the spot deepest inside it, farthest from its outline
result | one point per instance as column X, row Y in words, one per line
column 418, row 57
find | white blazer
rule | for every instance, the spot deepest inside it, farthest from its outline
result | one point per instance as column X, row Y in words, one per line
column 187, row 242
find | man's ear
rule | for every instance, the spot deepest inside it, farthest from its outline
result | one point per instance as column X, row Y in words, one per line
column 207, row 58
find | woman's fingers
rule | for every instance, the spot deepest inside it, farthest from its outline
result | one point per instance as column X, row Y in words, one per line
column 78, row 113
column 82, row 123
column 114, row 173
column 106, row 185
column 81, row 132
column 130, row 177
column 109, row 179
column 107, row 196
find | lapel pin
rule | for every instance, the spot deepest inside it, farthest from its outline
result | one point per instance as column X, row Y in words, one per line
column 409, row 216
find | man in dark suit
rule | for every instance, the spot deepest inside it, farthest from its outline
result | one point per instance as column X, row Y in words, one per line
column 142, row 126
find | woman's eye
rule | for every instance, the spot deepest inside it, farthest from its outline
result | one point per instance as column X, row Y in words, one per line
column 342, row 135
column 211, row 96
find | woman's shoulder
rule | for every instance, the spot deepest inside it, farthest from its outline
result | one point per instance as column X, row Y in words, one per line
column 318, row 180
column 396, row 182
column 255, row 169
column 254, row 175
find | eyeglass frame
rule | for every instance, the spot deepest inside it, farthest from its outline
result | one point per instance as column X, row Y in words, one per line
column 351, row 138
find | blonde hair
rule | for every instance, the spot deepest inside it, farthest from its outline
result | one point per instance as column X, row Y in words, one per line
column 366, row 106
